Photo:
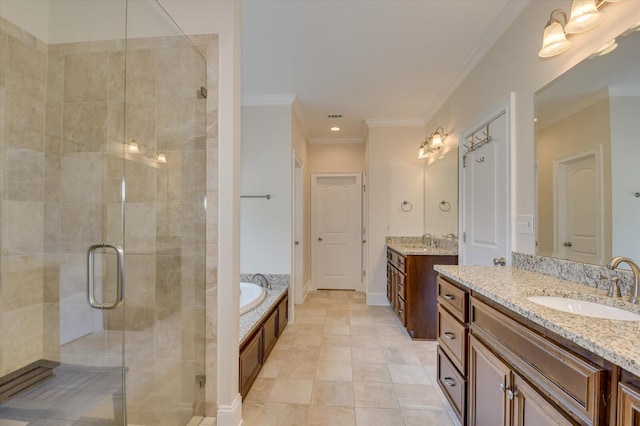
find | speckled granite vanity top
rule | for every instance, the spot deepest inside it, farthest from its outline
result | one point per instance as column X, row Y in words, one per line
column 615, row 341
column 252, row 318
column 413, row 250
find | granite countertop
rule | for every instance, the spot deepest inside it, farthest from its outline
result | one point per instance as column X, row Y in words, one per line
column 421, row 250
column 249, row 320
column 615, row 341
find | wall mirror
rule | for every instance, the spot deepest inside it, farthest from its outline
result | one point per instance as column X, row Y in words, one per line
column 588, row 158
column 441, row 195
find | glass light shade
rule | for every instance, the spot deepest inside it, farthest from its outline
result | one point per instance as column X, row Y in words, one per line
column 422, row 152
column 584, row 16
column 607, row 48
column 436, row 140
column 554, row 41
column 162, row 158
column 133, row 147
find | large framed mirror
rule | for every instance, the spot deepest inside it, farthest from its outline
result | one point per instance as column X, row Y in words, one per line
column 441, row 196
column 588, row 158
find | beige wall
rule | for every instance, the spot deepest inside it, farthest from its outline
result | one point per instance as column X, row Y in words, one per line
column 336, row 157
column 512, row 64
column 395, row 175
column 585, row 130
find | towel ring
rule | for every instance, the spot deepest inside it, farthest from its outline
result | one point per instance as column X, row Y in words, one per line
column 444, row 206
column 406, row 206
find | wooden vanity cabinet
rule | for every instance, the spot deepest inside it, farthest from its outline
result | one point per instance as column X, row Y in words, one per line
column 412, row 291
column 250, row 362
column 628, row 405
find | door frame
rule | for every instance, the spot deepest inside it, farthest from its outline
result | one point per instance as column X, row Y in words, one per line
column 297, row 290
column 507, row 107
column 559, row 200
column 358, row 183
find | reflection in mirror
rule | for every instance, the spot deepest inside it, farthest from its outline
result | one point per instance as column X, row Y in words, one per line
column 588, row 158
column 441, row 195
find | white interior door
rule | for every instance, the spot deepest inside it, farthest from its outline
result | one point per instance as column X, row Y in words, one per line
column 578, row 204
column 336, row 231
column 485, row 181
column 298, row 235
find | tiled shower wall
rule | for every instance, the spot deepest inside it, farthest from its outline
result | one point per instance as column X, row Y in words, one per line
column 62, row 129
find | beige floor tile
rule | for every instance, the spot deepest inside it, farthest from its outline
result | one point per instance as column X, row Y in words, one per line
column 303, row 353
column 400, row 355
column 408, row 374
column 339, row 371
column 430, row 417
column 271, row 368
column 299, row 370
column 337, row 330
column 367, row 354
column 252, row 413
column 371, row 372
column 310, row 328
column 332, row 393
column 378, row 417
column 363, row 330
column 341, row 320
column 335, row 353
column 312, row 319
column 336, row 341
column 306, row 339
column 293, row 391
column 260, row 390
column 278, row 414
column 376, row 395
column 365, row 342
column 331, row 416
column 390, row 330
column 418, row 396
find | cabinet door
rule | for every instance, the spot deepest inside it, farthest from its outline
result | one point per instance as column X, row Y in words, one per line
column 283, row 315
column 531, row 409
column 250, row 363
column 628, row 405
column 489, row 378
column 270, row 333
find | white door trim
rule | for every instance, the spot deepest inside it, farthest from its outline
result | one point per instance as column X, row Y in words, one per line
column 358, row 183
column 297, row 292
column 559, row 198
column 505, row 106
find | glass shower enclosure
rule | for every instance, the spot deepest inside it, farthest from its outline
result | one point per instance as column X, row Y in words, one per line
column 102, row 215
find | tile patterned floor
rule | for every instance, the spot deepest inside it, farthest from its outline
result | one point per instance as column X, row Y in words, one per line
column 345, row 363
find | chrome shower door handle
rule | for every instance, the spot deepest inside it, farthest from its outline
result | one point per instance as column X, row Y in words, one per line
column 119, row 276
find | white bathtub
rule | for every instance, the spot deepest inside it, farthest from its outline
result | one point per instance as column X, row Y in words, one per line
column 251, row 295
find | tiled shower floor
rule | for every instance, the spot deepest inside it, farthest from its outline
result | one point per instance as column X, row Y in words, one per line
column 77, row 395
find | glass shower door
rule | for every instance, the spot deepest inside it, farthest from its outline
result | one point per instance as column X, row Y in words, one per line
column 62, row 171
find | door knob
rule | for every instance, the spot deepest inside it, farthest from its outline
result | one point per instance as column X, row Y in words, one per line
column 297, row 243
column 364, row 241
column 568, row 244
column 319, row 238
column 499, row 261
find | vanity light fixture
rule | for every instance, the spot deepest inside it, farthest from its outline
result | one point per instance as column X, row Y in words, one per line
column 585, row 15
column 335, row 129
column 554, row 40
column 133, row 147
column 607, row 48
column 432, row 143
column 162, row 158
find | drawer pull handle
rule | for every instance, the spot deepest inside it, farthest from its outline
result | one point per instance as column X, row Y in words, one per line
column 449, row 335
column 449, row 381
column 449, row 297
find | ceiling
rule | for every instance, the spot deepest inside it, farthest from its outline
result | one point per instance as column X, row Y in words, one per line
column 386, row 62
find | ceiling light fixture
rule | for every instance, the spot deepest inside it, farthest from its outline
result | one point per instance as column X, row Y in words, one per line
column 335, row 129
column 433, row 143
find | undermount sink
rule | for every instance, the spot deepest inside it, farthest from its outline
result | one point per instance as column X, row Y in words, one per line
column 585, row 308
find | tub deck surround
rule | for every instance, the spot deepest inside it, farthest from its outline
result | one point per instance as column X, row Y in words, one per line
column 615, row 341
column 249, row 320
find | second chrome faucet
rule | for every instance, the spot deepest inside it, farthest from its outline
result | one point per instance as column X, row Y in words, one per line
column 635, row 270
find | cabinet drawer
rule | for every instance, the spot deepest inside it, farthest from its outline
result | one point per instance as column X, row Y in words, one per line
column 452, row 336
column 402, row 291
column 453, row 298
column 400, row 262
column 401, row 311
column 575, row 384
column 453, row 384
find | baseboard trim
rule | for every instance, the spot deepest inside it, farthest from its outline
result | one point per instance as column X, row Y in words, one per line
column 377, row 299
column 230, row 415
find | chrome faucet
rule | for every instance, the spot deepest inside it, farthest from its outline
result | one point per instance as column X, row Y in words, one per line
column 613, row 264
column 264, row 282
column 430, row 239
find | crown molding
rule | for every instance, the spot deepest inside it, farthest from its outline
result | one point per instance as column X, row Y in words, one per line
column 317, row 141
column 497, row 28
column 411, row 122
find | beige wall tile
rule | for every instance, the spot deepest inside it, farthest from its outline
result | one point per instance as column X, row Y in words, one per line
column 22, row 339
column 22, row 227
column 22, row 282
column 24, row 175
column 81, row 177
column 86, row 77
column 85, row 124
column 140, row 228
column 141, row 75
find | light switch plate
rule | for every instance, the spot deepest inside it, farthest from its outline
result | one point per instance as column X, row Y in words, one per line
column 524, row 224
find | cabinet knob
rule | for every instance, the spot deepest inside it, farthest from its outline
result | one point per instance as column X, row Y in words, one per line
column 567, row 244
column 448, row 297
column 449, row 381
column 499, row 261
column 319, row 238
column 449, row 335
